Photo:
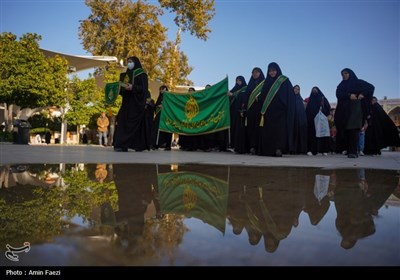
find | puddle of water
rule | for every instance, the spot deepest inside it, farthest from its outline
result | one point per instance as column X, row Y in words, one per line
column 198, row 215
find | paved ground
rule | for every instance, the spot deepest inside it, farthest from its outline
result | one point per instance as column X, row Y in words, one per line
column 27, row 154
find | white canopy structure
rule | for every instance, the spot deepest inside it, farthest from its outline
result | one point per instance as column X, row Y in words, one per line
column 78, row 63
column 82, row 62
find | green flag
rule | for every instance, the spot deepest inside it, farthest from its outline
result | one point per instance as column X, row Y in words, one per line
column 201, row 112
column 194, row 195
column 111, row 92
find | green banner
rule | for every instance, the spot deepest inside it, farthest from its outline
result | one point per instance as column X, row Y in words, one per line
column 194, row 195
column 201, row 112
column 111, row 92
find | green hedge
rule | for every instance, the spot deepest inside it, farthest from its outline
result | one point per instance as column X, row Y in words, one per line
column 6, row 136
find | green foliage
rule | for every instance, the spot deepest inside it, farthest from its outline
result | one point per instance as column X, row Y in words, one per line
column 39, row 130
column 83, row 194
column 28, row 79
column 36, row 214
column 174, row 65
column 125, row 28
column 41, row 122
column 192, row 15
column 86, row 100
column 6, row 136
column 41, row 222
column 122, row 28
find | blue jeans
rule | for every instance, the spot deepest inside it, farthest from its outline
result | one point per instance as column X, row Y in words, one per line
column 103, row 134
column 361, row 141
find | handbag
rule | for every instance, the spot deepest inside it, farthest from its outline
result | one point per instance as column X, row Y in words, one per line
column 321, row 125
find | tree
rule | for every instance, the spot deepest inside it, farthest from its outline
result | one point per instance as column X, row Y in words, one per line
column 174, row 65
column 86, row 100
column 28, row 79
column 124, row 28
column 192, row 15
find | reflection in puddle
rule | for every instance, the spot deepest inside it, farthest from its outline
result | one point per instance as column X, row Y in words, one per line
column 138, row 214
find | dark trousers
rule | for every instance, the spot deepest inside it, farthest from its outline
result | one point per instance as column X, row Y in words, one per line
column 354, row 136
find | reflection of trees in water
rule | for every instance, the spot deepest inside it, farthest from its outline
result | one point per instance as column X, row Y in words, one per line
column 84, row 194
column 155, row 238
column 36, row 214
column 267, row 208
column 162, row 236
column 30, row 214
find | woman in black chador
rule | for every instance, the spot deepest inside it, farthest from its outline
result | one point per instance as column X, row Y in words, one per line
column 160, row 138
column 277, row 114
column 241, row 141
column 300, row 124
column 381, row 131
column 353, row 102
column 317, row 101
column 130, row 126
column 234, row 98
column 254, row 103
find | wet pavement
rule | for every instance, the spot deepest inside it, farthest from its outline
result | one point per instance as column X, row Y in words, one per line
column 91, row 206
column 21, row 154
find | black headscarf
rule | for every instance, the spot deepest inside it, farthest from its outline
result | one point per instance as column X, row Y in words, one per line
column 254, row 82
column 269, row 81
column 138, row 65
column 356, row 86
column 315, row 101
column 237, row 86
column 349, row 85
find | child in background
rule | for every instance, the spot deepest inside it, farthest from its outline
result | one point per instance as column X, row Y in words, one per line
column 362, row 139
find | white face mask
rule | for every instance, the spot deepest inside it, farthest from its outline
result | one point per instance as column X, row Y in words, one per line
column 131, row 65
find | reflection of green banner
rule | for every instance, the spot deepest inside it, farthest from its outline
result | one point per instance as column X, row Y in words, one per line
column 194, row 195
column 201, row 112
column 111, row 92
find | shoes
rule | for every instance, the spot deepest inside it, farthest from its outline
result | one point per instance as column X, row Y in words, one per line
column 352, row 156
column 362, row 153
column 325, row 154
column 167, row 149
column 309, row 154
column 252, row 151
column 120, row 149
column 278, row 153
column 344, row 153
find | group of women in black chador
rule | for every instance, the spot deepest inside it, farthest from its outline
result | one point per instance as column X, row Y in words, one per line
column 268, row 117
column 357, row 107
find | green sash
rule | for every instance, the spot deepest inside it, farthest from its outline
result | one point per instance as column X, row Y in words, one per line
column 271, row 94
column 158, row 110
column 137, row 72
column 236, row 93
column 254, row 94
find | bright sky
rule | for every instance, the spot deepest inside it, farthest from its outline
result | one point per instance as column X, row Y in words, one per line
column 312, row 41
